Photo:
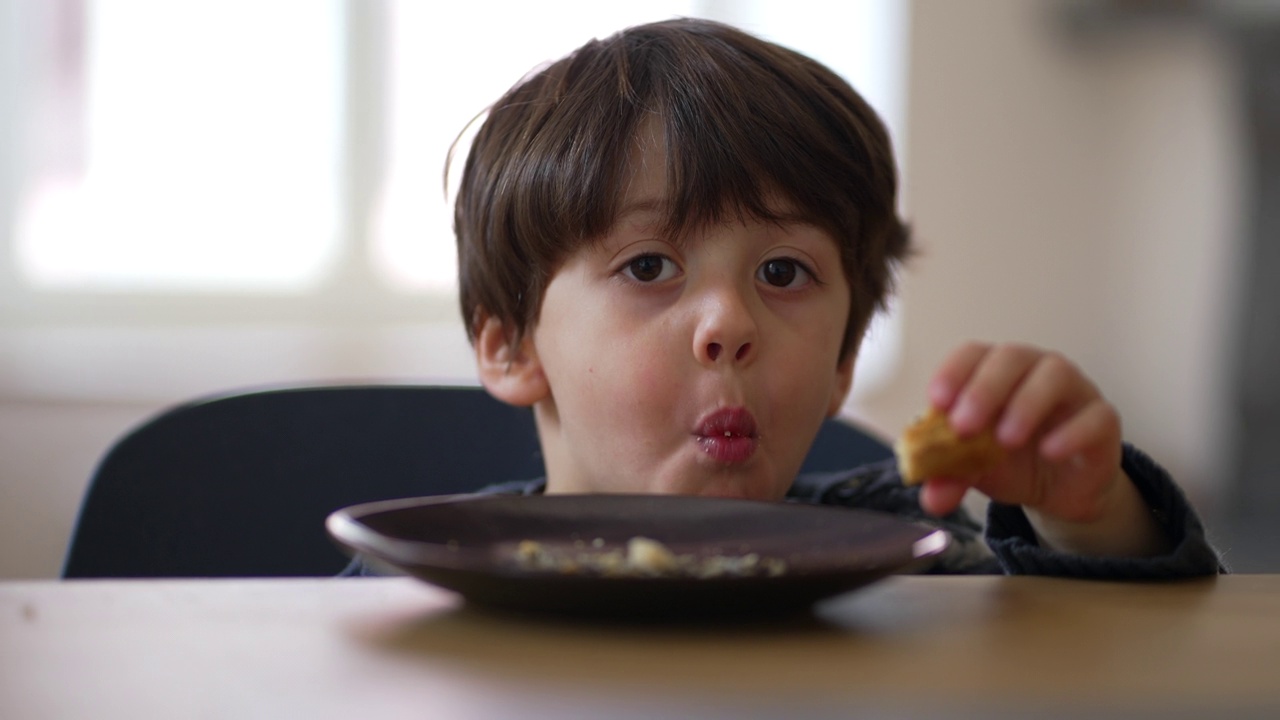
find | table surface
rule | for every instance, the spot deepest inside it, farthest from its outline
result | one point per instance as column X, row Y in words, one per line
column 396, row 647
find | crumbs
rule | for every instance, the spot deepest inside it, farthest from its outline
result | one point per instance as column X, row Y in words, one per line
column 641, row 557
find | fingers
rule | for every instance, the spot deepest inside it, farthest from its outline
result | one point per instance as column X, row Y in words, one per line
column 1097, row 425
column 1053, row 388
column 989, row 377
column 954, row 373
column 1063, row 438
column 1014, row 388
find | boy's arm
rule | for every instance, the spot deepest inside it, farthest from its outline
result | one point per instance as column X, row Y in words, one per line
column 1125, row 526
column 1021, row 549
column 1075, row 489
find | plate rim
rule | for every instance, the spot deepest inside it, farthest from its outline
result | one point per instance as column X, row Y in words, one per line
column 345, row 527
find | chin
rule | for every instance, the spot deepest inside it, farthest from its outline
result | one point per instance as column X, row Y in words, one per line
column 701, row 481
column 734, row 494
column 735, row 489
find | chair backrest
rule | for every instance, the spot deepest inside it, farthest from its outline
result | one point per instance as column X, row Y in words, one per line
column 239, row 485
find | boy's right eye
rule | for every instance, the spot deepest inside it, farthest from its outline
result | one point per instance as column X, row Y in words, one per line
column 649, row 268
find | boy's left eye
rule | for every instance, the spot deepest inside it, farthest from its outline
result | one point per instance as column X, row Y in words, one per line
column 783, row 273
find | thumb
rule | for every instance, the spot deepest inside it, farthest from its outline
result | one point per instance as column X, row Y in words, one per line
column 942, row 496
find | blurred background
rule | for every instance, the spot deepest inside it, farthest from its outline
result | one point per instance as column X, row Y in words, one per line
column 203, row 196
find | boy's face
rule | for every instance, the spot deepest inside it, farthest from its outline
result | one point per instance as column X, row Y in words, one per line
column 703, row 367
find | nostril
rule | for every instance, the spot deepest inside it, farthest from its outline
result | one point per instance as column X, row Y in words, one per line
column 742, row 351
column 713, row 350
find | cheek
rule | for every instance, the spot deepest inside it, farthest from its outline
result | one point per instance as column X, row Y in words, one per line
column 812, row 361
column 653, row 381
column 630, row 375
column 626, row 355
column 604, row 373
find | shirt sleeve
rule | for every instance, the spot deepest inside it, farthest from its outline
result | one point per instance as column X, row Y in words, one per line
column 1012, row 539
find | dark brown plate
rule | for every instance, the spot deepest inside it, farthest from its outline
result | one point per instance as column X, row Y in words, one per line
column 467, row 543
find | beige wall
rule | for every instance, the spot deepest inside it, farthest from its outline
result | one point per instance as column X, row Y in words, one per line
column 1082, row 194
column 1076, row 195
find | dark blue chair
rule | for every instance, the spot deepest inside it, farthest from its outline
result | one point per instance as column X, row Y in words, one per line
column 239, row 485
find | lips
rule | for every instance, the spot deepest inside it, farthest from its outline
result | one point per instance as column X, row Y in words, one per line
column 728, row 435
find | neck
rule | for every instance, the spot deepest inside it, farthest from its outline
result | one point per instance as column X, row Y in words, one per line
column 554, row 454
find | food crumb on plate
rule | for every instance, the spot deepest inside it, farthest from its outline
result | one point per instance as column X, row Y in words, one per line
column 642, row 557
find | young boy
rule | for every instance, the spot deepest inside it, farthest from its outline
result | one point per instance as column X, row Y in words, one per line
column 670, row 244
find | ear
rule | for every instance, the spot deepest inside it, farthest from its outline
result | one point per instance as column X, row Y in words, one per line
column 843, row 383
column 511, row 374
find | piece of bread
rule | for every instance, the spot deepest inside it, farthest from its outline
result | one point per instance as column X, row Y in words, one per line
column 929, row 448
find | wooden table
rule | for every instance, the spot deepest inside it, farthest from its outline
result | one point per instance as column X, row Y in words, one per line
column 395, row 647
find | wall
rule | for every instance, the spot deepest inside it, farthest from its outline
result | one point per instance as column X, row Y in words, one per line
column 1077, row 193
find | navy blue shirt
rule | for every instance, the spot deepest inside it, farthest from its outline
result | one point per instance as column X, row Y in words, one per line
column 1008, row 544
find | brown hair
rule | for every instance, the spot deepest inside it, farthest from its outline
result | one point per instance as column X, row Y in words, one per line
column 741, row 118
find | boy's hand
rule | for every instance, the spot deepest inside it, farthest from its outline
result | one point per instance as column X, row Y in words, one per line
column 1063, row 441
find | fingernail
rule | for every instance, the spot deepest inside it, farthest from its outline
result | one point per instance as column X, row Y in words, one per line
column 1009, row 432
column 964, row 416
column 939, row 392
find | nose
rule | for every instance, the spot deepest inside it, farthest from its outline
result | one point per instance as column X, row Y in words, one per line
column 726, row 332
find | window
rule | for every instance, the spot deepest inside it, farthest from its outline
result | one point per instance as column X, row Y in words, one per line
column 176, row 147
column 184, row 150
column 248, row 162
